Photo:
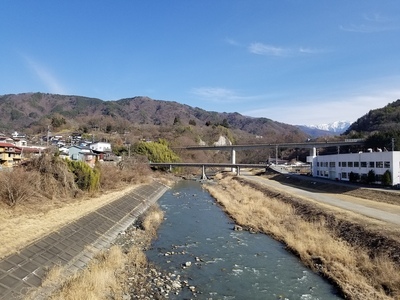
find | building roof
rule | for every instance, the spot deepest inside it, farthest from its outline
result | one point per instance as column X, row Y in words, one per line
column 2, row 144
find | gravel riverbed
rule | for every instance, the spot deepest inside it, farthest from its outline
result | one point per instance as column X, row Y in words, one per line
column 149, row 282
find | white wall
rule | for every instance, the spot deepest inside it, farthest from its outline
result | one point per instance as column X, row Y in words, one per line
column 337, row 166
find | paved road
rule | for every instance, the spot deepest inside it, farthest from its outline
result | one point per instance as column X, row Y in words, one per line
column 381, row 211
column 70, row 246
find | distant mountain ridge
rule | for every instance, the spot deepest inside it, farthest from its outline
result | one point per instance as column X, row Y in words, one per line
column 35, row 111
column 380, row 127
column 384, row 119
column 336, row 127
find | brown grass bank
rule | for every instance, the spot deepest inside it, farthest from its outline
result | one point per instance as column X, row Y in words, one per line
column 117, row 273
column 42, row 196
column 354, row 268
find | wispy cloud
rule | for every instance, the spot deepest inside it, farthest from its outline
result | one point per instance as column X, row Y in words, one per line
column 45, row 75
column 263, row 49
column 221, row 95
column 311, row 50
column 269, row 50
column 365, row 28
column 371, row 23
column 376, row 18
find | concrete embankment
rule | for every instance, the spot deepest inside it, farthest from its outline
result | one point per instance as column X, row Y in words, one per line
column 74, row 245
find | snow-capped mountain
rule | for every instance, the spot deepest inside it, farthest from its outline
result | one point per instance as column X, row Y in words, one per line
column 336, row 127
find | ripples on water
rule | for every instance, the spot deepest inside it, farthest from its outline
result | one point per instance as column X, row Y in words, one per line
column 227, row 264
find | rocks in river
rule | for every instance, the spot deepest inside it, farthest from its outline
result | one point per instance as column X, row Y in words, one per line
column 186, row 264
column 237, row 228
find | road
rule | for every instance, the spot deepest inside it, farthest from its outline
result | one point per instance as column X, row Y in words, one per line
column 377, row 210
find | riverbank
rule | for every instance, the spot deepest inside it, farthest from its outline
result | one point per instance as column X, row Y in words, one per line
column 356, row 269
column 122, row 271
column 21, row 225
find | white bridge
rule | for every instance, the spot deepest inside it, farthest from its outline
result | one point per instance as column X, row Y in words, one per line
column 235, row 167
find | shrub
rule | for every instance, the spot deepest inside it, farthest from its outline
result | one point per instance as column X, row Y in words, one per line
column 371, row 177
column 55, row 176
column 86, row 178
column 157, row 151
column 387, row 178
column 16, row 186
column 354, row 177
column 134, row 169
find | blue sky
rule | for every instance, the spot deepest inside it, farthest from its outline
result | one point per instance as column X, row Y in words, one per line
column 296, row 62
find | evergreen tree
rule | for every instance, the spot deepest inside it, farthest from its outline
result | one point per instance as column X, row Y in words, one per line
column 387, row 178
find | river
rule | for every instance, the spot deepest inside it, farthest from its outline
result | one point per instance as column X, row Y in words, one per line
column 197, row 242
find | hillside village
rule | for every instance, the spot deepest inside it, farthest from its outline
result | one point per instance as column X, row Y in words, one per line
column 16, row 148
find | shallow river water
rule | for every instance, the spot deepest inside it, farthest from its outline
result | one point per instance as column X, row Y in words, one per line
column 223, row 263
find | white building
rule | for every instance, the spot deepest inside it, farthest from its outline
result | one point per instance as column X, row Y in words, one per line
column 340, row 166
column 101, row 147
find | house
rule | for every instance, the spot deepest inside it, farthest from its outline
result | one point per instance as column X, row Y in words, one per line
column 103, row 150
column 20, row 142
column 100, row 147
column 17, row 135
column 32, row 151
column 10, row 155
column 4, row 139
column 84, row 154
column 358, row 165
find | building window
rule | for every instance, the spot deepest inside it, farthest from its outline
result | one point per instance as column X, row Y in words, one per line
column 350, row 164
column 363, row 164
column 379, row 164
column 317, row 163
column 332, row 164
column 344, row 164
column 344, row 175
column 371, row 164
column 340, row 164
column 356, row 164
column 317, row 172
column 387, row 164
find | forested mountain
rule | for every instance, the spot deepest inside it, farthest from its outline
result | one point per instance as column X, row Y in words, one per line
column 33, row 113
column 382, row 119
column 380, row 126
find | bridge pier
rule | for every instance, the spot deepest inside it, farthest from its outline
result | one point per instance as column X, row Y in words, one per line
column 313, row 151
column 203, row 174
column 233, row 159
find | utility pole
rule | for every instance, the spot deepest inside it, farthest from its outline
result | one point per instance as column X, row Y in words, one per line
column 48, row 135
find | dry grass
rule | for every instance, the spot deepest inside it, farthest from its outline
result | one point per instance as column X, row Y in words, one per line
column 152, row 221
column 130, row 170
column 107, row 274
column 358, row 276
column 98, row 281
column 41, row 197
column 24, row 224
